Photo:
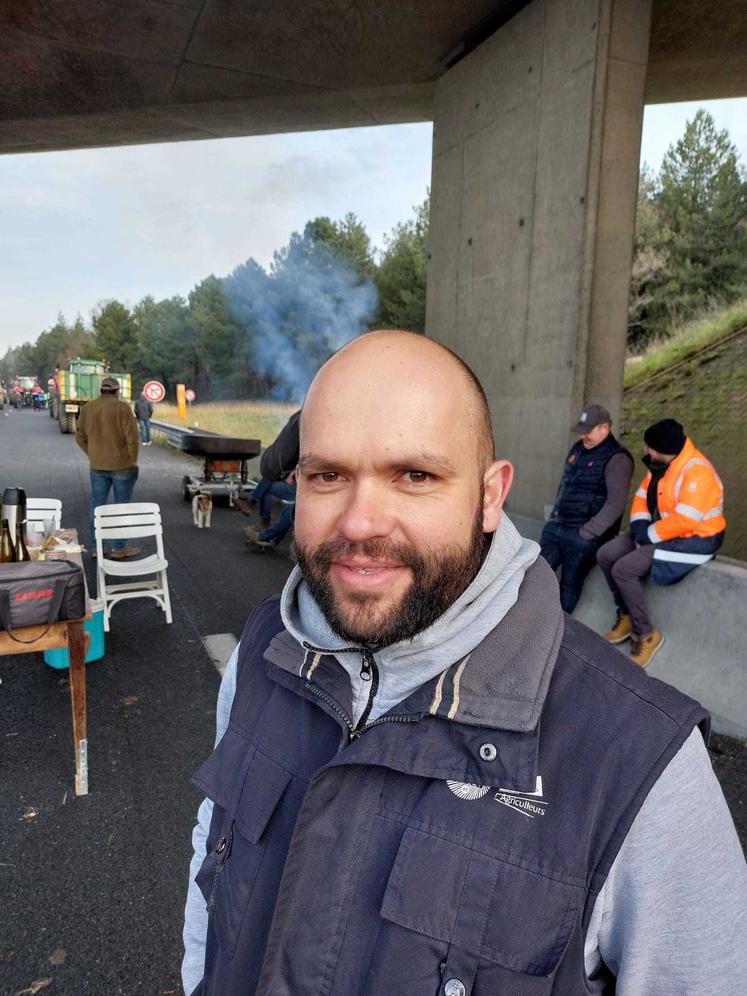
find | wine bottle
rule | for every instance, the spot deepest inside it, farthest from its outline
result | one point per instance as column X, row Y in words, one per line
column 7, row 550
column 22, row 551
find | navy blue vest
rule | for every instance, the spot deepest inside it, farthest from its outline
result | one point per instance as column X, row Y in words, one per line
column 582, row 490
column 412, row 856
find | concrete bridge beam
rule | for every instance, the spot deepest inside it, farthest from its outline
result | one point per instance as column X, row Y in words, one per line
column 535, row 169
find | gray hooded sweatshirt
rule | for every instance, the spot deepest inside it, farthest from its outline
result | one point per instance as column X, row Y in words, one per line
column 404, row 667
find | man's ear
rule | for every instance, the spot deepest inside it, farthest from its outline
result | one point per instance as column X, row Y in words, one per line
column 496, row 483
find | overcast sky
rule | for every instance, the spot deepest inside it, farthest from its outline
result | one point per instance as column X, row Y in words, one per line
column 80, row 227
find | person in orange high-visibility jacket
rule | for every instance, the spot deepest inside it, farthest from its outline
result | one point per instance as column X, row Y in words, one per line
column 676, row 523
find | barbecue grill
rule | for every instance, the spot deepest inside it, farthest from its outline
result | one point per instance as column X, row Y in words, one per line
column 224, row 470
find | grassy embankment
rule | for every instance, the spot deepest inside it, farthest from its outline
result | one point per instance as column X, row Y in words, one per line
column 261, row 420
column 686, row 341
column 699, row 377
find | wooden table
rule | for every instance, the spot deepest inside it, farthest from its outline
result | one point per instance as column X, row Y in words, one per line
column 63, row 635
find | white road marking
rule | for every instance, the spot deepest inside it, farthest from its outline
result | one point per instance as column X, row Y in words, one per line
column 220, row 646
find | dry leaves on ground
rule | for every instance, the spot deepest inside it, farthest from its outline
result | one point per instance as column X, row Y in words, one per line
column 36, row 987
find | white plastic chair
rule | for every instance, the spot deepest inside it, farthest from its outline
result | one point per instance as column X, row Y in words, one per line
column 135, row 520
column 44, row 509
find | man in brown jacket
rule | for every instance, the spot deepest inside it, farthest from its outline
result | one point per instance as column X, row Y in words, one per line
column 107, row 434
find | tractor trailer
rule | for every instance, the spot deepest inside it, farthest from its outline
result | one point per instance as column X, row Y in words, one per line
column 79, row 383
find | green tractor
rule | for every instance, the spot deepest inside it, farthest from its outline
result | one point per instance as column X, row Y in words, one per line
column 79, row 383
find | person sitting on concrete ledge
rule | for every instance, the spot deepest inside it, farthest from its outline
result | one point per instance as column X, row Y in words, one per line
column 676, row 524
column 272, row 535
column 590, row 502
column 277, row 463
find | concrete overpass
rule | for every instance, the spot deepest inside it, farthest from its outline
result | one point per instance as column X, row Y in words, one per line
column 537, row 111
column 75, row 73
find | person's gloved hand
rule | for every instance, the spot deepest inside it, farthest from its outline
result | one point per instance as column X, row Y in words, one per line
column 639, row 532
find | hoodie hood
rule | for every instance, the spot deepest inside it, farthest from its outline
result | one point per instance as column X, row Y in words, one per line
column 404, row 667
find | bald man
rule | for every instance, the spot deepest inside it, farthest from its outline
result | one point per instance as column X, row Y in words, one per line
column 426, row 780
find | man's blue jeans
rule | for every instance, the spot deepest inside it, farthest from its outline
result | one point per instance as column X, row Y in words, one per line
column 144, row 424
column 275, row 533
column 102, row 482
column 563, row 547
column 266, row 490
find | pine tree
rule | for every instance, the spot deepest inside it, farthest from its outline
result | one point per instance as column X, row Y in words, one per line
column 115, row 335
column 703, row 200
column 401, row 273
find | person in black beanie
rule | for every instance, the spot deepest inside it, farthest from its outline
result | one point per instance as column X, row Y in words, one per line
column 676, row 523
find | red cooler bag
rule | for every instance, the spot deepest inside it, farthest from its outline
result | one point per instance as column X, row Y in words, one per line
column 38, row 593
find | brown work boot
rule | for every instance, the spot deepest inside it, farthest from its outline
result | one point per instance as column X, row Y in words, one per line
column 643, row 648
column 252, row 538
column 622, row 629
column 126, row 551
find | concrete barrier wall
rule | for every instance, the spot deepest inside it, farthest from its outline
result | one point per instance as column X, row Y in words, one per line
column 704, row 621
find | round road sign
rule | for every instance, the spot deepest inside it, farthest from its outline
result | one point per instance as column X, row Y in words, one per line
column 154, row 391
column 189, row 394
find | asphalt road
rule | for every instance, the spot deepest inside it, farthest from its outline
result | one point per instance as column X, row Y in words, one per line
column 97, row 883
column 92, row 888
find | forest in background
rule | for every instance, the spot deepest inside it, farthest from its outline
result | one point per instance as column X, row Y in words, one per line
column 262, row 332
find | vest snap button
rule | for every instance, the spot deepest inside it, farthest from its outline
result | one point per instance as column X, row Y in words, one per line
column 454, row 987
column 220, row 846
column 488, row 752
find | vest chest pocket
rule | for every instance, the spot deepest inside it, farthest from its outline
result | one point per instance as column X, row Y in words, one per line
column 242, row 811
column 450, row 913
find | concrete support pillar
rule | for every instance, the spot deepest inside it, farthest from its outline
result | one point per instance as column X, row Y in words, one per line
column 536, row 145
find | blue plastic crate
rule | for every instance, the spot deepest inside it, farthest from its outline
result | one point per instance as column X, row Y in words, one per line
column 95, row 626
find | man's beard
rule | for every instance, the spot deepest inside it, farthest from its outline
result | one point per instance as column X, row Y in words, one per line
column 439, row 577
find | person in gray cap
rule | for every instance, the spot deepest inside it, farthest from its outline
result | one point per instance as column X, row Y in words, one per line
column 107, row 433
column 589, row 503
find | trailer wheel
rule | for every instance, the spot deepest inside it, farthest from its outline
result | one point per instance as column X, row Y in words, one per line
column 64, row 422
column 186, row 493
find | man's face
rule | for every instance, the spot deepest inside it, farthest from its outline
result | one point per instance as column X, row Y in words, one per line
column 365, row 612
column 391, row 503
column 660, row 458
column 595, row 436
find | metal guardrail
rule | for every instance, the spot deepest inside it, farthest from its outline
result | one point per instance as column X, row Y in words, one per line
column 175, row 433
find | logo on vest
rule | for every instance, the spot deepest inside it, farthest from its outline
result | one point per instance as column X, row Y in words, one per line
column 529, row 804
column 463, row 790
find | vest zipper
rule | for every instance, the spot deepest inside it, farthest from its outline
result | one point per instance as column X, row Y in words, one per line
column 332, row 704
column 354, row 732
column 403, row 718
column 369, row 672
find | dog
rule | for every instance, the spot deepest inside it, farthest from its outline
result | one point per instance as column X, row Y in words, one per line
column 202, row 510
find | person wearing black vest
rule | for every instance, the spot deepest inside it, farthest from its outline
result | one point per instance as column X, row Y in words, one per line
column 428, row 780
column 589, row 504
